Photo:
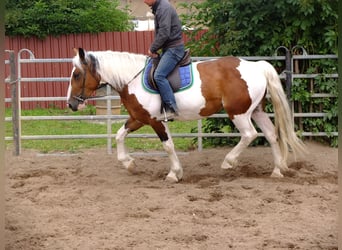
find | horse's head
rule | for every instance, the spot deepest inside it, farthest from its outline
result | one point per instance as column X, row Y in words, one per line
column 84, row 78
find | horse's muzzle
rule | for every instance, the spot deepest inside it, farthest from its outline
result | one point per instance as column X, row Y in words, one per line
column 73, row 108
column 73, row 104
column 76, row 103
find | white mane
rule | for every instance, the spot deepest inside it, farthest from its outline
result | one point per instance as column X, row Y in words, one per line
column 116, row 68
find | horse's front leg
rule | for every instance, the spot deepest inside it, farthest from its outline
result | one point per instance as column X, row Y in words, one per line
column 176, row 170
column 122, row 153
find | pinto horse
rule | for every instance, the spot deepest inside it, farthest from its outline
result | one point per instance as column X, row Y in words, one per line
column 229, row 83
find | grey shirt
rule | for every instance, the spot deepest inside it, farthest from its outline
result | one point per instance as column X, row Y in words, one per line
column 168, row 28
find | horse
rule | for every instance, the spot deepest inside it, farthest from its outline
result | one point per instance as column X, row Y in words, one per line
column 236, row 85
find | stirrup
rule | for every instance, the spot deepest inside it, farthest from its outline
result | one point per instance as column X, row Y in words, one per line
column 167, row 116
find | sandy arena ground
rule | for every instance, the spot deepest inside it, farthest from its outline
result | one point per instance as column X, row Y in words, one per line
column 89, row 201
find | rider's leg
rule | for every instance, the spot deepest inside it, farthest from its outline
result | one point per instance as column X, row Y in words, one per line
column 168, row 62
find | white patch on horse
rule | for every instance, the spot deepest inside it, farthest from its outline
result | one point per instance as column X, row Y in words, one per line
column 253, row 75
column 70, row 87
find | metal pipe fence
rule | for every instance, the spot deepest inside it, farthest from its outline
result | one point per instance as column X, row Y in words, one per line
column 15, row 80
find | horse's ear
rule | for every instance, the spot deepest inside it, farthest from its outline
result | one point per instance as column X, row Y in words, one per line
column 81, row 54
column 75, row 51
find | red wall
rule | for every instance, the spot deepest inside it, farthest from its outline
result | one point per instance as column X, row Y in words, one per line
column 62, row 47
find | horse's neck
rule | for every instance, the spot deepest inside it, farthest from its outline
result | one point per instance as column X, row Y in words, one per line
column 119, row 68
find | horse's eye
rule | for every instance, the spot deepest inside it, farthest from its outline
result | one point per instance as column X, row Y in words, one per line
column 77, row 76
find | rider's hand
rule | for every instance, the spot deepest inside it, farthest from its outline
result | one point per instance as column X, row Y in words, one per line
column 152, row 55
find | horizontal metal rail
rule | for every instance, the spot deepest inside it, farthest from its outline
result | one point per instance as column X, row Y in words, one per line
column 311, row 57
column 153, row 136
column 45, row 60
column 124, row 117
column 45, row 79
column 306, row 76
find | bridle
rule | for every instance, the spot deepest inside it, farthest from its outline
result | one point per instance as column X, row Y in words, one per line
column 80, row 98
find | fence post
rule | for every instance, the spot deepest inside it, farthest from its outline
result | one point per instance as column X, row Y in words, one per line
column 18, row 107
column 199, row 137
column 288, row 73
column 295, row 69
column 109, row 121
column 15, row 103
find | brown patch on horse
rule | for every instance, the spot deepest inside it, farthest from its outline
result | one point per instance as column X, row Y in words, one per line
column 132, row 124
column 230, row 92
column 75, row 51
column 93, row 67
column 86, row 80
column 139, row 114
column 88, row 85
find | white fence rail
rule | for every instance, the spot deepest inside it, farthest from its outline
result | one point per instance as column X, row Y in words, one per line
column 109, row 118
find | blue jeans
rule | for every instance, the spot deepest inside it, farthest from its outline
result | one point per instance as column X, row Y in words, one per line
column 168, row 61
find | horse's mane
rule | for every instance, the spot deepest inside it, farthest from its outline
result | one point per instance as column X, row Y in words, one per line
column 116, row 68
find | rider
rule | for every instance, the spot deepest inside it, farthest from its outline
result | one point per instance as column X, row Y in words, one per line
column 168, row 39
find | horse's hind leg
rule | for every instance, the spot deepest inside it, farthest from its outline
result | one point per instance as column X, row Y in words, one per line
column 267, row 127
column 176, row 170
column 248, row 134
column 122, row 154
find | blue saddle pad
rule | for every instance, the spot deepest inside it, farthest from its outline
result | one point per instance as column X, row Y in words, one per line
column 185, row 73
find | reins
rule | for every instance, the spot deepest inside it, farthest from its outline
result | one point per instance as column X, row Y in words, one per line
column 136, row 75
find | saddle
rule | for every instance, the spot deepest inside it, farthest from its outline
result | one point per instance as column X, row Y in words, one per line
column 175, row 77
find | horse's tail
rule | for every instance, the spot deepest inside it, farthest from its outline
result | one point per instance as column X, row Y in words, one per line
column 283, row 117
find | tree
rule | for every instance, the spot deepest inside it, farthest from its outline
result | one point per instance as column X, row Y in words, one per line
column 55, row 17
column 259, row 27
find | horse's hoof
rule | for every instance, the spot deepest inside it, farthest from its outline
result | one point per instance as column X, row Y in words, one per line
column 283, row 167
column 277, row 174
column 226, row 165
column 173, row 178
column 130, row 166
